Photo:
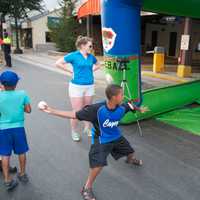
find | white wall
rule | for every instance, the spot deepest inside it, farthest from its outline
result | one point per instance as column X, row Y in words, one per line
column 39, row 27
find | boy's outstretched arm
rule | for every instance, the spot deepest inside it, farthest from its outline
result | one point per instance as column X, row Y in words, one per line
column 59, row 113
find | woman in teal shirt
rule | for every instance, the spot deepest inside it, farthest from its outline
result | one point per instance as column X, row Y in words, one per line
column 81, row 86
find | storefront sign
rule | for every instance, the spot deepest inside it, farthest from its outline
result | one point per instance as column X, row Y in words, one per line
column 185, row 40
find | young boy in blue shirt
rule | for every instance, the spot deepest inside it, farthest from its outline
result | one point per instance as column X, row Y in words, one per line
column 106, row 137
column 11, row 169
column 13, row 104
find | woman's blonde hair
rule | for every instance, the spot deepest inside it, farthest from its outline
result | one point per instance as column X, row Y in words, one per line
column 82, row 40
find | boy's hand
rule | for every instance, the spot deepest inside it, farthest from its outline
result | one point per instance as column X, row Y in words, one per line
column 144, row 109
column 46, row 109
column 43, row 106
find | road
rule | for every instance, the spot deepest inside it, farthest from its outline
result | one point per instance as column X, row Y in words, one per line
column 58, row 167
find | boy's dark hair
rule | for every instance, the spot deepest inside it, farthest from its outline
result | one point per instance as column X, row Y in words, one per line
column 112, row 90
column 9, row 87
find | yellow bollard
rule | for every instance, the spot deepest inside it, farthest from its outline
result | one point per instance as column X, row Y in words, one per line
column 184, row 71
column 159, row 60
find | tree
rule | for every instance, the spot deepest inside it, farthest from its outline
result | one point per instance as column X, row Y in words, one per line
column 4, row 8
column 65, row 32
column 18, row 9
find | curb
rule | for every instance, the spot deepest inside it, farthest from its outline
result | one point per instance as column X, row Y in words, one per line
column 50, row 68
column 164, row 77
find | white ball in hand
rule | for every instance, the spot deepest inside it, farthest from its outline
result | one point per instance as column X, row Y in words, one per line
column 42, row 105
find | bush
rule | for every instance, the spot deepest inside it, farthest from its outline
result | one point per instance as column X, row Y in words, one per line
column 65, row 32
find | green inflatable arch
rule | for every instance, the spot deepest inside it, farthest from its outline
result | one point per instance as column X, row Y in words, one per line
column 121, row 40
column 188, row 8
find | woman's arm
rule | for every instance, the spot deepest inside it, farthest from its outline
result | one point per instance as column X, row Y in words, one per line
column 60, row 63
column 96, row 66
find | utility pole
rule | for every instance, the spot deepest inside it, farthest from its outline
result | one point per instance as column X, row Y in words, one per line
column 89, row 26
column 185, row 61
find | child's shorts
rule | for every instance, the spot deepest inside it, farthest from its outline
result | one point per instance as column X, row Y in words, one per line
column 13, row 139
column 99, row 152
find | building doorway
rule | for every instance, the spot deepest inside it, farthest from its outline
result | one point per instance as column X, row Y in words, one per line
column 172, row 44
column 154, row 39
column 26, row 39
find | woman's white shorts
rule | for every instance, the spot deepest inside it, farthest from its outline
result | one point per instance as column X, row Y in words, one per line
column 80, row 90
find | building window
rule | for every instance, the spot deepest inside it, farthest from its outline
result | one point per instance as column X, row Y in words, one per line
column 48, row 37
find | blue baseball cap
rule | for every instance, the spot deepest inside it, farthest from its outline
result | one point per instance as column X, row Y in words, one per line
column 9, row 78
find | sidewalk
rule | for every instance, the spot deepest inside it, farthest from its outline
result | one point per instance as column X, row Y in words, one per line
column 45, row 61
column 149, row 79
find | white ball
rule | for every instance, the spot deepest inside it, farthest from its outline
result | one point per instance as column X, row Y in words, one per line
column 42, row 105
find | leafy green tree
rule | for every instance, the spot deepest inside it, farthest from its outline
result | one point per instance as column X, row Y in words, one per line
column 4, row 8
column 65, row 32
column 18, row 9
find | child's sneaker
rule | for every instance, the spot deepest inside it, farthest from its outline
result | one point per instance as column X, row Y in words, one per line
column 23, row 178
column 88, row 132
column 10, row 185
column 76, row 136
column 135, row 161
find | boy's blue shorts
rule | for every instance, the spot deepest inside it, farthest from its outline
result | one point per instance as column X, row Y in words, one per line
column 13, row 139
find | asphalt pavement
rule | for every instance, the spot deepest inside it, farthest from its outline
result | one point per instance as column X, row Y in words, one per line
column 58, row 167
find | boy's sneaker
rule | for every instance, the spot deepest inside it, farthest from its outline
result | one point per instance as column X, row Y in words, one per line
column 135, row 161
column 23, row 178
column 10, row 185
column 76, row 136
column 88, row 132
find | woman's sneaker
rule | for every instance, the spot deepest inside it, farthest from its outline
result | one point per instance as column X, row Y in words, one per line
column 87, row 194
column 88, row 132
column 23, row 178
column 10, row 185
column 76, row 136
